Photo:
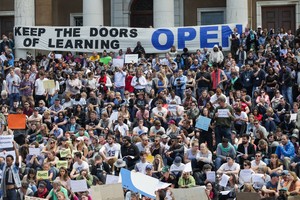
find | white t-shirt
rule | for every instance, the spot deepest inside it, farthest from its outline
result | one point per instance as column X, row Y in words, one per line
column 109, row 151
column 243, row 116
column 122, row 129
column 39, row 86
column 226, row 167
column 78, row 168
column 141, row 167
column 161, row 112
column 261, row 164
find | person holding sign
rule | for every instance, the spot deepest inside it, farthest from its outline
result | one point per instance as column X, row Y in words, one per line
column 223, row 119
column 10, row 178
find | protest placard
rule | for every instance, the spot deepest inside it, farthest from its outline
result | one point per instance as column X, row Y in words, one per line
column 42, row 175
column 224, row 180
column 135, row 182
column 63, row 153
column 193, row 193
column 246, row 175
column 105, row 60
column 16, row 121
column 62, row 163
column 58, row 56
column 211, row 176
column 107, row 192
column 6, row 141
column 118, row 62
column 34, row 151
column 131, row 58
column 49, row 84
column 172, row 107
column 3, row 58
column 79, row 185
column 110, row 179
column 203, row 123
column 293, row 117
column 188, row 167
column 6, row 153
column 223, row 113
column 257, row 178
column 33, row 198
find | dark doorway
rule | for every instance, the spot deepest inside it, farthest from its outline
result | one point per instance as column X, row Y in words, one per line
column 6, row 24
column 141, row 13
column 279, row 17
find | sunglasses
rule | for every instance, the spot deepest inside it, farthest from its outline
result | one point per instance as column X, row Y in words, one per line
column 258, row 156
column 69, row 158
column 156, row 140
column 126, row 94
column 245, row 165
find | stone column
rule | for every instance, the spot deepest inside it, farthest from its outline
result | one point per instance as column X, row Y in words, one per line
column 24, row 16
column 237, row 11
column 163, row 13
column 92, row 12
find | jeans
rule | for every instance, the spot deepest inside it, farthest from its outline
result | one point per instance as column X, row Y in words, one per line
column 270, row 126
column 222, row 131
column 11, row 195
column 12, row 98
column 52, row 99
column 218, row 162
column 287, row 93
column 180, row 92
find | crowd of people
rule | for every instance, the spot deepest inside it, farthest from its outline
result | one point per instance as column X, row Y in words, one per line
column 143, row 116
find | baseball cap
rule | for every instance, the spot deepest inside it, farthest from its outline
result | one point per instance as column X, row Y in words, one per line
column 149, row 167
column 165, row 169
column 274, row 174
column 171, row 121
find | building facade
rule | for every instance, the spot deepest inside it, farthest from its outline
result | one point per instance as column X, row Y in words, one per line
column 149, row 13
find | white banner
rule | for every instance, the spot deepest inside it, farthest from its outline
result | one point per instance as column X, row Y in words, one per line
column 87, row 39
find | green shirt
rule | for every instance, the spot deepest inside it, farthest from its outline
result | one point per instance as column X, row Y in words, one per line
column 62, row 189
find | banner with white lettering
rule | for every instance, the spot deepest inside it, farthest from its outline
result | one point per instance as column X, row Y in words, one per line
column 87, row 39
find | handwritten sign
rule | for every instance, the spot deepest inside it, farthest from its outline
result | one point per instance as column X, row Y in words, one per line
column 34, row 151
column 6, row 153
column 131, row 58
column 246, row 175
column 223, row 113
column 110, row 179
column 172, row 107
column 33, row 198
column 211, row 176
column 224, row 180
column 105, row 60
column 49, row 84
column 118, row 62
column 64, row 153
column 58, row 56
column 79, row 185
column 62, row 163
column 42, row 175
column 16, row 121
column 203, row 123
column 293, row 117
column 6, row 141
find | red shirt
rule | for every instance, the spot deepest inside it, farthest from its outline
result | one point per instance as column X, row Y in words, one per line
column 128, row 86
